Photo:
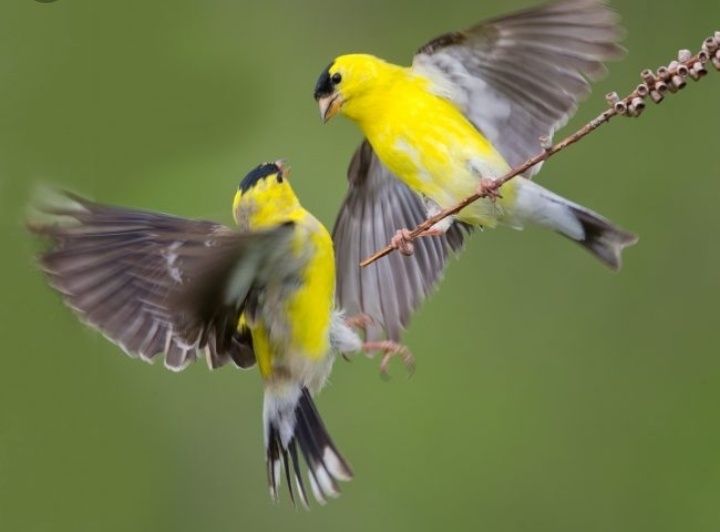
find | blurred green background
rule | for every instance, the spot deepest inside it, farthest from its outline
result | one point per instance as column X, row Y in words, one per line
column 550, row 395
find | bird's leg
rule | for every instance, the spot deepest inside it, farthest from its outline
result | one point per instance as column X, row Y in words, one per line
column 356, row 321
column 359, row 321
column 402, row 241
column 489, row 188
column 390, row 349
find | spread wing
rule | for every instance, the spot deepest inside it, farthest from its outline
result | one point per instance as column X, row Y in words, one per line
column 154, row 283
column 390, row 290
column 520, row 77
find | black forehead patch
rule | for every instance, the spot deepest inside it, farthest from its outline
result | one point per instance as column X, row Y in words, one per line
column 255, row 175
column 324, row 85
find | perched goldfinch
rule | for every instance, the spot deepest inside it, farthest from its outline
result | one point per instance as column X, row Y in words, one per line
column 154, row 283
column 473, row 104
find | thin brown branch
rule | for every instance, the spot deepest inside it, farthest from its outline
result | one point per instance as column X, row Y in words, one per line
column 656, row 86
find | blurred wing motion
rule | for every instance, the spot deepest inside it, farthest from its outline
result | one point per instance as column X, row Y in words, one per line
column 154, row 283
column 390, row 290
column 520, row 77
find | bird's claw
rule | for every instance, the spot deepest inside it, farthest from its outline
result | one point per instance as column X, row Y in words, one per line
column 489, row 188
column 402, row 241
column 390, row 349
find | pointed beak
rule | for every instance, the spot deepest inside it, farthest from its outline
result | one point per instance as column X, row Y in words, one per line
column 283, row 167
column 329, row 106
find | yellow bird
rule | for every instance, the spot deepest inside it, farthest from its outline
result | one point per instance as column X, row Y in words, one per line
column 473, row 104
column 154, row 283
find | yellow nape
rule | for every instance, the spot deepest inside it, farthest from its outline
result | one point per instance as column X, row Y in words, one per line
column 269, row 202
column 363, row 76
column 308, row 307
column 421, row 136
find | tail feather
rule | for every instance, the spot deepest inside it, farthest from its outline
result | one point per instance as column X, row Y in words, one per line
column 596, row 234
column 296, row 423
column 602, row 238
column 273, row 461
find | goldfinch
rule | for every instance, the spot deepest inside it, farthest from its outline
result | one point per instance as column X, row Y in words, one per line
column 473, row 104
column 157, row 284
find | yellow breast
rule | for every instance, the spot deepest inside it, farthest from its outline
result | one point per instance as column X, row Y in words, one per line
column 301, row 314
column 428, row 143
column 309, row 309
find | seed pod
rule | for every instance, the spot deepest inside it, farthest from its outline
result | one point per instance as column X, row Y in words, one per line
column 716, row 62
column 612, row 98
column 620, row 107
column 656, row 96
column 648, row 77
column 637, row 106
column 699, row 70
column 661, row 87
column 710, row 45
column 703, row 56
column 682, row 71
column 663, row 73
column 684, row 55
column 642, row 90
column 678, row 82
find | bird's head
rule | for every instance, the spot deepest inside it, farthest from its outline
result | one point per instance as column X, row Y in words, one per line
column 346, row 82
column 264, row 197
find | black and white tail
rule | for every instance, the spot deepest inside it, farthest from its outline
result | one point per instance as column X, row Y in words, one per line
column 596, row 234
column 293, row 427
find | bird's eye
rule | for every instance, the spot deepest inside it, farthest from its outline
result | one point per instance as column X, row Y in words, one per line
column 279, row 178
column 336, row 78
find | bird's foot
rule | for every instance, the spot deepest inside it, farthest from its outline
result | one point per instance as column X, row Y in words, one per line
column 390, row 349
column 403, row 239
column 489, row 188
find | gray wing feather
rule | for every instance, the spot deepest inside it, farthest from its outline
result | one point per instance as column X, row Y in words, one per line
column 129, row 273
column 520, row 77
column 376, row 205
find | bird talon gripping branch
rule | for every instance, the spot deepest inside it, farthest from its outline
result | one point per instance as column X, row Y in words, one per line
column 390, row 349
column 402, row 241
column 489, row 188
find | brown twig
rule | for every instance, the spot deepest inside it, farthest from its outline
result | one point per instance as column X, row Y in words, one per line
column 656, row 85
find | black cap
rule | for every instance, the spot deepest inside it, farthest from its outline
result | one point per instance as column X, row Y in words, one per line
column 324, row 85
column 261, row 172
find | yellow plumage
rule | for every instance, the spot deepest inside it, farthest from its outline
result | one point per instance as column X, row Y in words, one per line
column 430, row 129
column 193, row 289
column 267, row 204
column 422, row 138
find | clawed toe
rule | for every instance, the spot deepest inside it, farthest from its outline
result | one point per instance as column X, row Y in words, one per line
column 402, row 241
column 489, row 188
column 390, row 349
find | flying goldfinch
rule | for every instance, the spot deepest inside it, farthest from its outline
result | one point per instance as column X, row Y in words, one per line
column 154, row 283
column 473, row 104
